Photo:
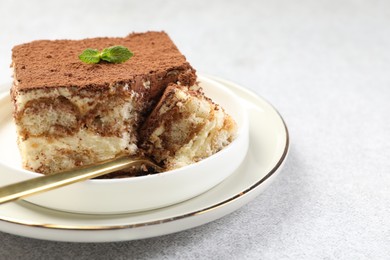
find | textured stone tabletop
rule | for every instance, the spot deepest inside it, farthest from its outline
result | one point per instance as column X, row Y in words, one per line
column 323, row 64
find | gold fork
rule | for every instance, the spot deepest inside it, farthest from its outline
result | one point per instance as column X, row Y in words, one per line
column 48, row 182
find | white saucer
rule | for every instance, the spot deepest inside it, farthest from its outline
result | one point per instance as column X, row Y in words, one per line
column 269, row 144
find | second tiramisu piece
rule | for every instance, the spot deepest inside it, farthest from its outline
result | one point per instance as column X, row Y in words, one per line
column 186, row 127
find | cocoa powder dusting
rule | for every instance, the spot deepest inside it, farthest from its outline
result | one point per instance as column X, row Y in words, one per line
column 48, row 64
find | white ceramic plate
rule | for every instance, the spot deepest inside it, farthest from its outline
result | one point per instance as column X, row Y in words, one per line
column 269, row 145
column 144, row 192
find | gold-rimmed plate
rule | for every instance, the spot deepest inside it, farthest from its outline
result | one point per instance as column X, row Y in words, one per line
column 269, row 144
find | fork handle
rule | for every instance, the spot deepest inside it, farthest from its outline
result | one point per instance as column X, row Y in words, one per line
column 48, row 182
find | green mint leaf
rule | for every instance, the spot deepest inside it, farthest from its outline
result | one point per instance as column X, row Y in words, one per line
column 116, row 54
column 90, row 56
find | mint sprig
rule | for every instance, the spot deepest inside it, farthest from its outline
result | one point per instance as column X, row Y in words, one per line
column 113, row 54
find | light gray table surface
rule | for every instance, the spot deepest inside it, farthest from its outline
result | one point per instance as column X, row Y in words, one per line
column 325, row 65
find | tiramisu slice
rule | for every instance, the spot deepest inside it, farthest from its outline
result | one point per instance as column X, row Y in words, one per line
column 185, row 127
column 69, row 113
